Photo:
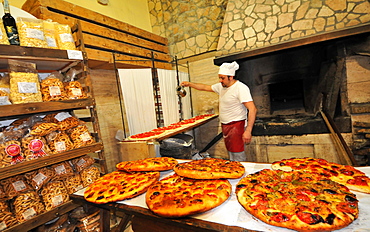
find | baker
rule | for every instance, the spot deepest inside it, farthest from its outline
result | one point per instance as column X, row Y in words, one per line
column 237, row 111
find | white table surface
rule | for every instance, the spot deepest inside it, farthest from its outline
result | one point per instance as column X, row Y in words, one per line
column 233, row 214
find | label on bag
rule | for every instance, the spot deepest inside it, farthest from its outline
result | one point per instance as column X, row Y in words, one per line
column 57, row 200
column 27, row 87
column 60, row 146
column 60, row 169
column 19, row 186
column 29, row 213
column 85, row 137
column 54, row 91
column 39, row 179
column 74, row 54
column 62, row 115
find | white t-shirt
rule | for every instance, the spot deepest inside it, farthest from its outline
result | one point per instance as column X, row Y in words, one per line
column 231, row 99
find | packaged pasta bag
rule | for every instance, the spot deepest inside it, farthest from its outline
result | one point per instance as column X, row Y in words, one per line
column 52, row 88
column 31, row 32
column 64, row 37
column 4, row 90
column 3, row 36
column 27, row 205
column 59, row 141
column 24, row 82
column 80, row 135
column 49, row 32
column 74, row 89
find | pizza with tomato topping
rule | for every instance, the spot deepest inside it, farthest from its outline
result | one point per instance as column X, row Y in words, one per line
column 344, row 174
column 119, row 185
column 210, row 168
column 145, row 135
column 297, row 200
column 148, row 164
column 170, row 129
column 177, row 196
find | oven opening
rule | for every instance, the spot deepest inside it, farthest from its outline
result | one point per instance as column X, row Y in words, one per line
column 287, row 97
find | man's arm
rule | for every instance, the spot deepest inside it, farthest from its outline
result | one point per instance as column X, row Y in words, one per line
column 197, row 86
column 252, row 113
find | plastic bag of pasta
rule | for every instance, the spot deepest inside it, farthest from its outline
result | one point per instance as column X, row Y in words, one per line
column 49, row 32
column 3, row 36
column 24, row 82
column 4, row 90
column 31, row 32
column 64, row 37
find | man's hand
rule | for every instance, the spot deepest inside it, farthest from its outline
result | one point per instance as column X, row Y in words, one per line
column 247, row 137
column 185, row 83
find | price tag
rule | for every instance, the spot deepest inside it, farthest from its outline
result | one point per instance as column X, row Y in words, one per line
column 57, row 200
column 60, row 146
column 3, row 226
column 29, row 213
column 60, row 169
column 62, row 115
column 74, row 54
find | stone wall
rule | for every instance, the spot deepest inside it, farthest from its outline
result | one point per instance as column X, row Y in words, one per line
column 250, row 24
column 192, row 27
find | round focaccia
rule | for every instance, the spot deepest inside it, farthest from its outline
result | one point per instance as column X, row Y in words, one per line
column 347, row 175
column 210, row 168
column 119, row 185
column 297, row 200
column 177, row 196
column 148, row 164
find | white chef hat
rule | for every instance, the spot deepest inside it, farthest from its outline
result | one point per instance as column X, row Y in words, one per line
column 228, row 69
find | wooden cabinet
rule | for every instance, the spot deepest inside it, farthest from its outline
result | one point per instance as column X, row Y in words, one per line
column 49, row 60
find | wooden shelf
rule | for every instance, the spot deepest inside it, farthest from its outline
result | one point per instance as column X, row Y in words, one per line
column 43, row 218
column 48, row 160
column 40, row 56
column 40, row 107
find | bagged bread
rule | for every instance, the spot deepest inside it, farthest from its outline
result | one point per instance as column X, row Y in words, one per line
column 27, row 205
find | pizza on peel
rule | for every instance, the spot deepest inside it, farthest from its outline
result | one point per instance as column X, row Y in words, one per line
column 148, row 164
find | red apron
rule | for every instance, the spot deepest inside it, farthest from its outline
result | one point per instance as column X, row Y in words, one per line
column 233, row 133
